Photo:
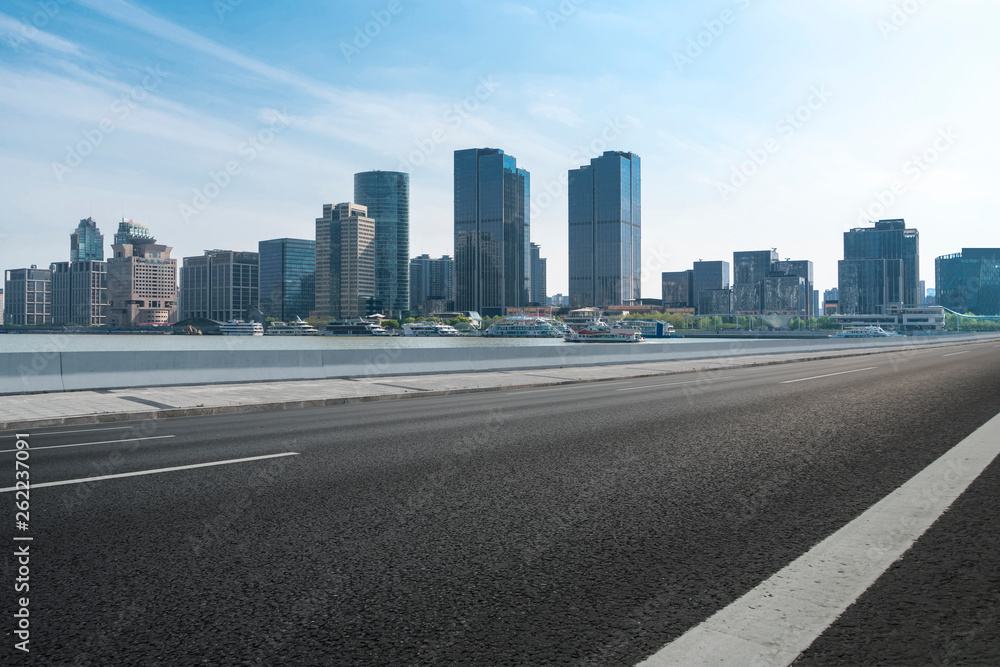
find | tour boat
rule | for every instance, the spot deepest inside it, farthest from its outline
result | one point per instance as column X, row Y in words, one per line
column 523, row 326
column 605, row 334
column 241, row 328
column 429, row 329
column 296, row 328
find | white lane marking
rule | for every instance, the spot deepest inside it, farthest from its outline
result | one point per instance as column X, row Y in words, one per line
column 87, row 444
column 36, row 434
column 153, row 472
column 772, row 624
column 673, row 384
column 954, row 353
column 830, row 375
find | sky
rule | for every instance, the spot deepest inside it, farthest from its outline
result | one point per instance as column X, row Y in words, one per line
column 760, row 124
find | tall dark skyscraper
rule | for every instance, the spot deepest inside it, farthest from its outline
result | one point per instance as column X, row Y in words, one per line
column 750, row 268
column 86, row 244
column 713, row 275
column 969, row 281
column 287, row 278
column 539, row 276
column 492, row 231
column 386, row 195
column 880, row 270
column 605, row 231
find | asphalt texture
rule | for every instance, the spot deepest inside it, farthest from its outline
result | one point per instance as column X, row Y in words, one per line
column 570, row 525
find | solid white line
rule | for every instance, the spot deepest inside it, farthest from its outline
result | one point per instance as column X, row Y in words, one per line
column 673, row 384
column 772, row 624
column 89, row 430
column 86, row 444
column 954, row 353
column 830, row 375
column 152, row 472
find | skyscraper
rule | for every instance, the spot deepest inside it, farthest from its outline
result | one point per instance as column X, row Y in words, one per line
column 386, row 195
column 969, row 281
column 142, row 279
column 220, row 285
column 678, row 289
column 287, row 278
column 750, row 268
column 492, row 231
column 539, row 277
column 28, row 296
column 80, row 293
column 605, row 225
column 86, row 244
column 345, row 261
column 133, row 232
column 432, row 280
column 880, row 271
column 713, row 275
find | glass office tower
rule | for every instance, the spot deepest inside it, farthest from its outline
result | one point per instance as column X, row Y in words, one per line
column 605, row 225
column 880, row 270
column 969, row 281
column 386, row 195
column 287, row 278
column 86, row 244
column 492, row 232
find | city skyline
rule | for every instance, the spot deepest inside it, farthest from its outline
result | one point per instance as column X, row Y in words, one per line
column 187, row 95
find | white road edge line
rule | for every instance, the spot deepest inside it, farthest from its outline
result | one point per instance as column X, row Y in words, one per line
column 830, row 375
column 38, row 434
column 153, row 472
column 954, row 353
column 779, row 619
column 673, row 384
column 85, row 444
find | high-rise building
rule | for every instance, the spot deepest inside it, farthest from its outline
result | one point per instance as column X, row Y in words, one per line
column 539, row 277
column 86, row 244
column 432, row 280
column 767, row 285
column 345, row 261
column 220, row 285
column 678, row 289
column 712, row 275
column 750, row 268
column 605, row 231
column 880, row 272
column 1, row 307
column 386, row 195
column 80, row 293
column 715, row 302
column 27, row 296
column 142, row 279
column 969, row 281
column 287, row 278
column 492, row 232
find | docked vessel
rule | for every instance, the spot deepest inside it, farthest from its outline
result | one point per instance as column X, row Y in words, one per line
column 359, row 328
column 241, row 328
column 862, row 332
column 523, row 326
column 605, row 334
column 584, row 317
column 429, row 329
column 296, row 328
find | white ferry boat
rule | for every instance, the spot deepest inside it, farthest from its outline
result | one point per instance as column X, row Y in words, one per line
column 296, row 328
column 523, row 326
column 359, row 328
column 241, row 328
column 584, row 317
column 429, row 329
column 862, row 332
column 605, row 334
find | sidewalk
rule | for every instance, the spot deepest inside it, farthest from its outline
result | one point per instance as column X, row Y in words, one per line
column 116, row 405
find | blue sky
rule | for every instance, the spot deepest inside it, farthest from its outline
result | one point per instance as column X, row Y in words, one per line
column 760, row 124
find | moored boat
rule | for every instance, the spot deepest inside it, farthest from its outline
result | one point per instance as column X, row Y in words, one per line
column 241, row 328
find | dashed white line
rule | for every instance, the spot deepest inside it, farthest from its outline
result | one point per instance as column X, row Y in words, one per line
column 952, row 354
column 673, row 384
column 83, row 480
column 87, row 444
column 772, row 624
column 830, row 375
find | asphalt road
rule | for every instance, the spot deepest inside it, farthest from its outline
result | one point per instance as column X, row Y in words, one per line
column 579, row 524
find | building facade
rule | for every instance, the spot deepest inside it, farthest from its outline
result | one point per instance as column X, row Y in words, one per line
column 432, row 280
column 969, row 281
column 750, row 268
column 142, row 279
column 287, row 278
column 605, row 231
column 880, row 271
column 86, row 244
column 80, row 293
column 492, row 232
column 345, row 261
column 27, row 296
column 221, row 285
column 715, row 302
column 386, row 195
column 539, row 276
column 677, row 289
column 711, row 275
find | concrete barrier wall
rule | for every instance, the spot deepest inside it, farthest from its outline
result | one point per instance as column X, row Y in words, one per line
column 68, row 371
